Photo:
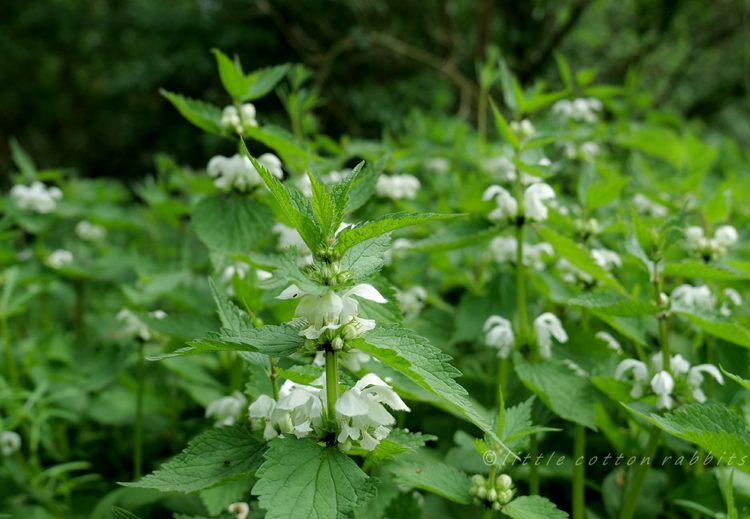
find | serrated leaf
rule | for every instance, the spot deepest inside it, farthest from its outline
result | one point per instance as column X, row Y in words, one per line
column 203, row 115
column 579, row 257
column 351, row 236
column 503, row 128
column 425, row 365
column 741, row 381
column 694, row 269
column 713, row 427
column 283, row 143
column 397, row 442
column 715, row 324
column 302, row 480
column 286, row 272
column 276, row 341
column 611, row 303
column 404, row 505
column 262, row 81
column 366, row 258
column 325, row 209
column 517, row 424
column 340, row 193
column 457, row 236
column 672, row 230
column 364, row 185
column 234, row 224
column 296, row 206
column 438, row 478
column 567, row 394
column 203, row 464
column 533, row 507
column 231, row 76
column 120, row 513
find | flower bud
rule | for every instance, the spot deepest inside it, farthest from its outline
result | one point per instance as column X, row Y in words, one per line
column 505, row 497
column 497, row 506
column 503, row 482
column 492, row 495
column 482, row 492
column 337, row 344
column 478, row 480
column 344, row 276
column 473, row 491
column 311, row 344
column 350, row 332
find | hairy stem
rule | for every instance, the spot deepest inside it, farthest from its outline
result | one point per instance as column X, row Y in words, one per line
column 138, row 436
column 579, row 472
column 275, row 378
column 631, row 499
column 332, row 384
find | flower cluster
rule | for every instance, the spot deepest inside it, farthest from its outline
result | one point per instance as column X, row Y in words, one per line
column 438, row 165
column 585, row 152
column 88, row 231
column 702, row 297
column 227, row 410
column 235, row 121
column 38, row 198
column 10, row 442
column 238, row 173
column 645, row 206
column 500, row 334
column 523, row 129
column 503, row 170
column 397, row 187
column 582, row 109
column 662, row 381
column 507, row 207
column 411, row 301
column 492, row 493
column 59, row 259
column 134, row 327
column 606, row 259
column 504, row 249
column 299, row 409
column 710, row 248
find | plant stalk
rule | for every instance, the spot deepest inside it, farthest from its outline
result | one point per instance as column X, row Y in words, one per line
column 332, row 384
column 579, row 473
column 631, row 499
column 138, row 456
column 274, row 379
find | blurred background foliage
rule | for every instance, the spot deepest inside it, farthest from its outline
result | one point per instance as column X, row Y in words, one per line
column 79, row 79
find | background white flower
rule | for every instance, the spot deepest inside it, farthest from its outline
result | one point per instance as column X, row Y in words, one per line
column 227, row 410
column 646, row 206
column 88, row 231
column 534, row 198
column 238, row 173
column 38, row 198
column 10, row 442
column 500, row 335
column 59, row 259
column 411, row 301
column 240, row 509
column 547, row 326
column 397, row 187
column 663, row 384
column 611, row 341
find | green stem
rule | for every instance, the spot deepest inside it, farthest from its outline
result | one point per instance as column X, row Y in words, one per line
column 482, row 121
column 663, row 332
column 332, row 384
column 502, row 379
column 710, row 360
column 274, row 379
column 12, row 370
column 579, row 472
column 631, row 499
column 533, row 469
column 138, row 436
column 520, row 269
column 488, row 513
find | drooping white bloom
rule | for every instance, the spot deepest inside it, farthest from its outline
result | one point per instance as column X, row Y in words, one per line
column 611, row 341
column 662, row 385
column 411, row 301
column 640, row 375
column 500, row 335
column 240, row 268
column 59, row 259
column 241, row 510
column 678, row 365
column 10, row 442
column 507, row 207
column 263, row 408
column 134, row 327
column 88, row 231
column 581, row 109
column 533, row 199
column 646, row 206
column 547, row 326
column 247, row 114
column 504, row 249
column 331, row 312
column 238, row 173
column 695, row 379
column 361, row 412
column 397, row 187
column 733, row 299
column 700, row 297
column 438, row 164
column 227, row 410
column 38, row 197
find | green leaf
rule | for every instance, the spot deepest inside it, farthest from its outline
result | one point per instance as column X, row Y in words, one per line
column 531, row 170
column 568, row 395
column 533, row 507
column 203, row 115
column 614, row 304
column 585, row 77
column 297, row 208
column 304, row 375
column 672, row 230
column 340, row 193
column 217, row 499
column 234, row 224
column 425, row 365
column 562, row 66
column 657, row 142
column 715, row 324
column 119, row 513
column 404, row 505
column 716, row 208
column 397, row 442
column 578, row 257
column 231, row 75
column 464, row 233
column 204, row 463
column 363, row 186
column 438, row 478
column 543, row 100
column 287, row 272
column 602, row 193
column 262, row 81
column 283, row 143
column 644, row 235
column 325, row 209
column 508, row 87
column 503, row 128
column 366, row 258
column 517, row 424
column 713, row 427
column 23, row 160
column 302, row 480
column 351, row 236
column 741, row 381
column 276, row 341
column 695, row 269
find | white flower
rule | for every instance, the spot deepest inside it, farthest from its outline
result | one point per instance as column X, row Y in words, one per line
column 499, row 335
column 502, row 169
column 38, row 198
column 606, row 259
column 546, row 326
column 507, row 207
column 678, row 365
column 88, row 231
column 272, row 163
column 263, row 408
column 411, row 301
column 399, row 248
column 700, row 297
column 361, row 412
column 304, row 183
column 575, row 367
column 581, row 109
column 262, row 275
column 663, row 384
column 533, row 198
column 646, row 206
column 397, row 187
column 240, row 268
column 242, row 510
column 715, row 247
column 332, row 311
column 695, row 379
column 10, row 442
column 438, row 164
column 134, row 327
column 733, row 298
column 523, row 129
column 503, row 248
column 611, row 341
column 238, row 173
column 289, row 237
column 226, row 410
column 247, row 114
column 230, row 119
column 640, row 375
column 59, row 259
column 726, row 236
column 588, row 151
column 157, row 314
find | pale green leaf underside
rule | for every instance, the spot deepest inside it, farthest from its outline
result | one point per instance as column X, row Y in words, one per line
column 614, row 304
column 203, row 464
column 203, row 115
column 438, row 478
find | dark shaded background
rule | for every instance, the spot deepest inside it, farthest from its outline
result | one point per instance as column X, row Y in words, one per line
column 79, row 79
